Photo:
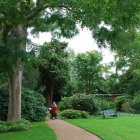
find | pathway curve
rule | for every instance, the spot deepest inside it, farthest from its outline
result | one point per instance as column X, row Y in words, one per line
column 67, row 131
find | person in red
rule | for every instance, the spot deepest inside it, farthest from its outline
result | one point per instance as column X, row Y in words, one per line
column 54, row 110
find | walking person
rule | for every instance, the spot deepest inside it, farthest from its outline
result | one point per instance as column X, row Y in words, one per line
column 54, row 111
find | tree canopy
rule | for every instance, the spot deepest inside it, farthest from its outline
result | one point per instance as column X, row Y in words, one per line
column 53, row 68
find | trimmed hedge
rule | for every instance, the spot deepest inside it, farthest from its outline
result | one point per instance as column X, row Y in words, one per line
column 73, row 114
column 14, row 126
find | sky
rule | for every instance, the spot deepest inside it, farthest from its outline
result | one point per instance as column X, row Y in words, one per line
column 81, row 43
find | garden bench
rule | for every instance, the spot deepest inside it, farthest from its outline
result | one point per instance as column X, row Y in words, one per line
column 109, row 112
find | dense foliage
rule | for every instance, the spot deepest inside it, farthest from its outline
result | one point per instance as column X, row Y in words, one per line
column 65, row 103
column 33, row 105
column 14, row 126
column 119, row 101
column 89, row 103
column 73, row 114
column 88, row 72
column 85, row 102
column 104, row 104
column 53, row 69
column 30, row 76
column 123, row 103
column 136, row 104
column 81, row 102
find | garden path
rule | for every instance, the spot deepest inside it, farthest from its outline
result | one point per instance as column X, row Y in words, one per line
column 67, row 131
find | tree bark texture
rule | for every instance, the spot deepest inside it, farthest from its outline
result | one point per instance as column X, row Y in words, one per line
column 15, row 80
column 14, row 110
column 50, row 95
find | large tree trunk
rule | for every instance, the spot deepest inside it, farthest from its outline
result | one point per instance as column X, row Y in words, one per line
column 49, row 100
column 15, row 79
column 14, row 110
column 50, row 96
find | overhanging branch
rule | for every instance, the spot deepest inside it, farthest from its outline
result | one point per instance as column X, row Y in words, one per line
column 37, row 9
column 40, row 8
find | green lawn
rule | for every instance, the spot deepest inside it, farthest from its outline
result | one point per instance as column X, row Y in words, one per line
column 121, row 128
column 38, row 131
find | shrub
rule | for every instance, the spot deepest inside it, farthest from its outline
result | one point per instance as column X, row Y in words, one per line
column 14, row 126
column 81, row 102
column 136, row 104
column 126, row 107
column 85, row 102
column 119, row 101
column 73, row 114
column 65, row 103
column 123, row 103
column 104, row 104
column 33, row 104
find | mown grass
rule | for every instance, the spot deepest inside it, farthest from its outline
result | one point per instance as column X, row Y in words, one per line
column 38, row 131
column 121, row 128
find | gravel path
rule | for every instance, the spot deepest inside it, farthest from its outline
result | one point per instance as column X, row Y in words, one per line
column 67, row 131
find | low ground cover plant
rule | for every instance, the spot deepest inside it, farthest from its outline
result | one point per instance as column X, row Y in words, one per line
column 14, row 126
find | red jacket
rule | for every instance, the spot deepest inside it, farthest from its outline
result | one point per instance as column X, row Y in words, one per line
column 54, row 110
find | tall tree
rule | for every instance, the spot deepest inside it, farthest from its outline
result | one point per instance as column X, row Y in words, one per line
column 88, row 71
column 54, row 68
column 129, row 64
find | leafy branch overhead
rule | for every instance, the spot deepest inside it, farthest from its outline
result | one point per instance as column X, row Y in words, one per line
column 61, row 17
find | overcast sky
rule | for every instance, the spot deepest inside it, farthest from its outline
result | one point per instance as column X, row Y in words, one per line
column 80, row 43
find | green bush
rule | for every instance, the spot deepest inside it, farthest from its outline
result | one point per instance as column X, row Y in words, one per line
column 85, row 102
column 136, row 104
column 126, row 107
column 81, row 102
column 65, row 103
column 119, row 101
column 73, row 114
column 104, row 104
column 33, row 104
column 123, row 103
column 14, row 126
